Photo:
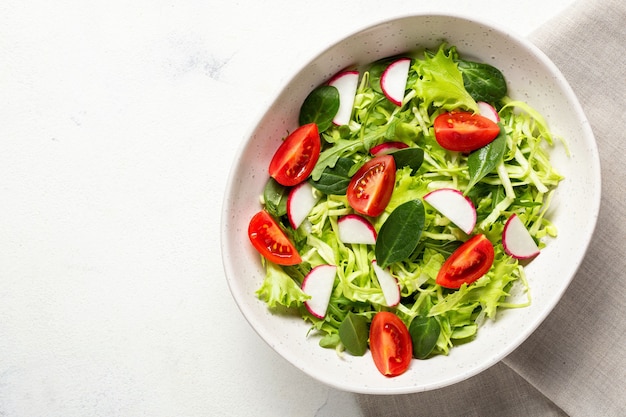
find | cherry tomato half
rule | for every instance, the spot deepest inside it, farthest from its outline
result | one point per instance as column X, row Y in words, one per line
column 271, row 241
column 464, row 131
column 296, row 157
column 469, row 262
column 390, row 343
column 371, row 187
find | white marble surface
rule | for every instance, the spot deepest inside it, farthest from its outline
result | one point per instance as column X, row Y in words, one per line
column 118, row 124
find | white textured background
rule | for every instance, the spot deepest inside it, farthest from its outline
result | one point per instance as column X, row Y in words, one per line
column 118, row 124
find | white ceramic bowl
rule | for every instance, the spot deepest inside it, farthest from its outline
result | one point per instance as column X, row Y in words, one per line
column 531, row 77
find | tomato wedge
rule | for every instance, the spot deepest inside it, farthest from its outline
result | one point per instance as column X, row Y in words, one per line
column 469, row 262
column 296, row 157
column 371, row 187
column 390, row 343
column 464, row 131
column 271, row 241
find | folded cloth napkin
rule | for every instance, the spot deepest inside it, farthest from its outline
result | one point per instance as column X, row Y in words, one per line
column 577, row 358
column 575, row 363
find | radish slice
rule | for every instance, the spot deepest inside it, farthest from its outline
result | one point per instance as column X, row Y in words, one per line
column 487, row 110
column 386, row 148
column 388, row 284
column 393, row 80
column 346, row 83
column 455, row 206
column 517, row 241
column 353, row 228
column 301, row 200
column 318, row 284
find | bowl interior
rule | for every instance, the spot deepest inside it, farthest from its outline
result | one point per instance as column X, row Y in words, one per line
column 532, row 78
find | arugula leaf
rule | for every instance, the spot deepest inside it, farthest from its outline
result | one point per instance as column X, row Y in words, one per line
column 399, row 235
column 335, row 180
column 440, row 82
column 330, row 156
column 320, row 106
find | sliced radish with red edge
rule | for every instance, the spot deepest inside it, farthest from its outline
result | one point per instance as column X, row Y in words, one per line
column 318, row 284
column 455, row 206
column 346, row 83
column 516, row 239
column 388, row 284
column 302, row 198
column 393, row 80
column 386, row 148
column 356, row 229
column 487, row 110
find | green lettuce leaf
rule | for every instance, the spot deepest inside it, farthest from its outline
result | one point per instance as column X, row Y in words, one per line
column 440, row 82
column 278, row 288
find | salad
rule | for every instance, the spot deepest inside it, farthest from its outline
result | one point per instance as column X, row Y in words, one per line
column 399, row 215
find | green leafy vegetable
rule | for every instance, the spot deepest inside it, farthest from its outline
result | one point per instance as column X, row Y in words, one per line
column 482, row 81
column 320, row 106
column 343, row 148
column 279, row 288
column 407, row 132
column 275, row 198
column 484, row 160
column 330, row 341
column 409, row 157
column 335, row 180
column 375, row 71
column 440, row 83
column 353, row 333
column 424, row 335
column 399, row 235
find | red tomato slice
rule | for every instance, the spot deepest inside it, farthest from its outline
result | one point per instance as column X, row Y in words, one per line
column 390, row 343
column 463, row 131
column 271, row 241
column 469, row 262
column 371, row 187
column 296, row 157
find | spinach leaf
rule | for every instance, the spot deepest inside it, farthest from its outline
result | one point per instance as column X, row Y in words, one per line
column 330, row 156
column 484, row 160
column 411, row 157
column 275, row 197
column 353, row 333
column 335, row 180
column 482, row 81
column 424, row 333
column 320, row 106
column 400, row 233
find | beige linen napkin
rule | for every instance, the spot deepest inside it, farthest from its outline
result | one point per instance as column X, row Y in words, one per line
column 575, row 363
column 577, row 358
